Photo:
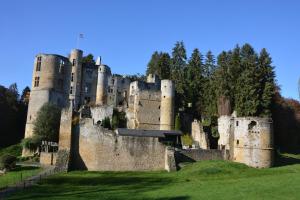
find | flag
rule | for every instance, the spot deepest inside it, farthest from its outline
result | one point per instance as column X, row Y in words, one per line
column 81, row 35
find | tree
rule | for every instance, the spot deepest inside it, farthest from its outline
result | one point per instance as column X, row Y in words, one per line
column 267, row 83
column 88, row 60
column 247, row 95
column 153, row 63
column 177, row 123
column 177, row 71
column 194, row 81
column 25, row 95
column 209, row 66
column 47, row 122
column 12, row 116
column 163, row 66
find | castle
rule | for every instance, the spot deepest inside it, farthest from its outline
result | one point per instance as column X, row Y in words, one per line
column 62, row 80
column 149, row 142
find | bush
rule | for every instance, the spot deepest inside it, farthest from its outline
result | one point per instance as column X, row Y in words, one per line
column 8, row 162
column 177, row 123
column 119, row 119
column 32, row 143
column 15, row 150
column 106, row 123
column 187, row 140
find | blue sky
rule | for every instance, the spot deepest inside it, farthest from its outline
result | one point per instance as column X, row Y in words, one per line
column 125, row 33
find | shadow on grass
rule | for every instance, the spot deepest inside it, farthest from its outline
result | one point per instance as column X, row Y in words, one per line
column 283, row 160
column 93, row 186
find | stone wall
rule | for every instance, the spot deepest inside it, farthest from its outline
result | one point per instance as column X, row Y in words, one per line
column 100, row 112
column 144, row 110
column 199, row 136
column 102, row 150
column 47, row 158
column 200, row 154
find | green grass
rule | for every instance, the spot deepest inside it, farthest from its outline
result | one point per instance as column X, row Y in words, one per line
column 14, row 176
column 200, row 180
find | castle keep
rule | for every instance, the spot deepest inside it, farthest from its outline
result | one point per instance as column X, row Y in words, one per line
column 89, row 93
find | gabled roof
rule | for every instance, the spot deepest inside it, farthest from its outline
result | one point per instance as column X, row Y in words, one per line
column 147, row 133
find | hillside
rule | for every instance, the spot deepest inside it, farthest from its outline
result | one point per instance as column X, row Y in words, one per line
column 201, row 180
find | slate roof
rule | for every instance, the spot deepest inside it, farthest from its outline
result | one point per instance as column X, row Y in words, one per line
column 147, row 133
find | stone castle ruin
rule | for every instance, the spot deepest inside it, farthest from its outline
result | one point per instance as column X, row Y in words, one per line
column 89, row 93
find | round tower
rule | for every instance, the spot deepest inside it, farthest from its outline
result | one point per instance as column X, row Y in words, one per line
column 253, row 141
column 76, row 75
column 167, row 105
column 49, row 84
column 102, row 84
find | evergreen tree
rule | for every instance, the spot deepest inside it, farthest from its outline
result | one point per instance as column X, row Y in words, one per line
column 194, row 82
column 153, row 63
column 247, row 99
column 267, row 83
column 163, row 66
column 210, row 65
column 177, row 71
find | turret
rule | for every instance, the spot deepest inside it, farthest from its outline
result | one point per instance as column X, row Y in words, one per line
column 76, row 71
column 167, row 105
column 102, row 84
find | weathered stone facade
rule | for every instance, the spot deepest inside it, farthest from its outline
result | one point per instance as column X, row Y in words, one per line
column 248, row 139
column 199, row 136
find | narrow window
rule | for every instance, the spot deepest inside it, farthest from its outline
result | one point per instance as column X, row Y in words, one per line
column 113, row 81
column 71, row 90
column 61, row 66
column 237, row 142
column 38, row 63
column 237, row 123
column 72, row 77
column 36, row 81
column 74, row 62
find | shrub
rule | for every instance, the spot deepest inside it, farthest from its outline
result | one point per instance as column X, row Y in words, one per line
column 119, row 119
column 187, row 140
column 106, row 123
column 8, row 162
column 32, row 143
column 15, row 150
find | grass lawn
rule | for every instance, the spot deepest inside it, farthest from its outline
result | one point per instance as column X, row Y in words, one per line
column 14, row 176
column 201, row 180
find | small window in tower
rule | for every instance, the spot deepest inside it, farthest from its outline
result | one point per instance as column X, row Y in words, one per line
column 237, row 123
column 237, row 142
column 72, row 77
column 74, row 62
column 159, row 119
column 36, row 81
column 113, row 81
column 159, row 107
column 38, row 63
column 71, row 90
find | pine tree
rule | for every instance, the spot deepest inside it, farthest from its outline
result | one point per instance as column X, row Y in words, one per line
column 163, row 66
column 248, row 86
column 153, row 63
column 267, row 83
column 209, row 66
column 178, row 65
column 194, row 82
